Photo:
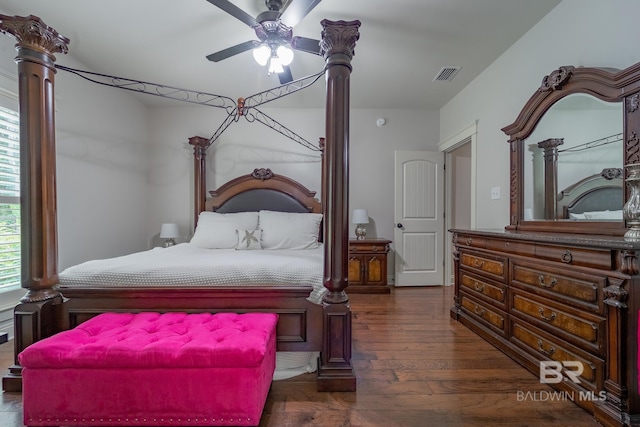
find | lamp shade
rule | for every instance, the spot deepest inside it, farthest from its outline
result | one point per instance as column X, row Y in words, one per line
column 360, row 216
column 169, row 231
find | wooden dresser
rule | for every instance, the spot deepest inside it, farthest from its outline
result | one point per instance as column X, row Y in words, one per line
column 368, row 266
column 560, row 298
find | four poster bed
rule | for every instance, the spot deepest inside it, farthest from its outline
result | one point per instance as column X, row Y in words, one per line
column 211, row 273
column 314, row 314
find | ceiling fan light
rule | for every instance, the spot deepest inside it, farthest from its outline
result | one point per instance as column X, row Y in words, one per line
column 285, row 55
column 275, row 66
column 262, row 54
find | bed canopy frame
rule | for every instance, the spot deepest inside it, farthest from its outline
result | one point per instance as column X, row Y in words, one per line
column 40, row 313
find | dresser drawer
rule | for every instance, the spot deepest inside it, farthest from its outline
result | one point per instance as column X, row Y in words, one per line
column 601, row 259
column 470, row 241
column 483, row 288
column 485, row 313
column 511, row 247
column 568, row 285
column 583, row 329
column 486, row 265
column 545, row 347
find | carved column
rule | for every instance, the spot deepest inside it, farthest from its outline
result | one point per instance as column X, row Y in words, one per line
column 37, row 316
column 550, row 147
column 199, row 145
column 335, row 372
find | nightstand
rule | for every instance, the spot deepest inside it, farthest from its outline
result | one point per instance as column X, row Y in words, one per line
column 368, row 266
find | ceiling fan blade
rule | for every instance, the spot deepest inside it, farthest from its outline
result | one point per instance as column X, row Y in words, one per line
column 296, row 10
column 285, row 77
column 233, row 50
column 306, row 45
column 235, row 11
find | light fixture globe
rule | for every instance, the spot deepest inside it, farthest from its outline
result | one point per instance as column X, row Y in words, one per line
column 285, row 55
column 262, row 54
column 275, row 66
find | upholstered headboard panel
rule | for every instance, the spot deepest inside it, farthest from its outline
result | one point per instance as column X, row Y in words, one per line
column 262, row 198
column 599, row 199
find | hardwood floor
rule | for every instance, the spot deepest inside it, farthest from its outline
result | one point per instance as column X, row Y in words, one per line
column 415, row 367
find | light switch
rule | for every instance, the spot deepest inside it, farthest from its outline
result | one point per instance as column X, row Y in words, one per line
column 495, row 193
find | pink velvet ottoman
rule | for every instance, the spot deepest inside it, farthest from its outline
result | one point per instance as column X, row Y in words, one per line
column 120, row 369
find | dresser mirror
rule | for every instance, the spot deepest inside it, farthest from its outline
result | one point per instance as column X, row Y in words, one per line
column 586, row 135
column 569, row 151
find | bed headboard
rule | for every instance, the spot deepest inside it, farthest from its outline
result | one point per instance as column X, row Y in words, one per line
column 599, row 192
column 262, row 189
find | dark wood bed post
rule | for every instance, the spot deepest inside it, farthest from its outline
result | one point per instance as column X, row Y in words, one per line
column 38, row 314
column 335, row 371
column 199, row 145
column 550, row 147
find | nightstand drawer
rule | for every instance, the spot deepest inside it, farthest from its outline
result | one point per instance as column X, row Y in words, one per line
column 368, row 247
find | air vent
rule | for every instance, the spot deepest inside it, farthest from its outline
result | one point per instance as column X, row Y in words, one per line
column 446, row 74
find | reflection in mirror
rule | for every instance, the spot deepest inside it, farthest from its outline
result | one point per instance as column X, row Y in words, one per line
column 583, row 137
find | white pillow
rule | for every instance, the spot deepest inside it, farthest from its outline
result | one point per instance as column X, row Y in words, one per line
column 218, row 231
column 576, row 216
column 285, row 230
column 604, row 215
column 249, row 240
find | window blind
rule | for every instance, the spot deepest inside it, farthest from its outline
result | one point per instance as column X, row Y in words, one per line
column 9, row 199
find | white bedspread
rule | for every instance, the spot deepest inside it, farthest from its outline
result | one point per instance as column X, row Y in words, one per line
column 189, row 266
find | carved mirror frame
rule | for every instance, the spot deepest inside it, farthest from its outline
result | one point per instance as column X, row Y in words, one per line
column 606, row 84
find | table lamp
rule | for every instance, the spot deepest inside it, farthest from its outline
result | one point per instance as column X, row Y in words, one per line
column 360, row 217
column 169, row 232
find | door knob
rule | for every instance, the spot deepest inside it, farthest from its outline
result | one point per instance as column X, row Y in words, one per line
column 399, row 225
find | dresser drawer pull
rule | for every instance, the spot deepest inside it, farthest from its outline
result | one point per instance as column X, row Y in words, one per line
column 551, row 318
column 477, row 263
column 478, row 286
column 468, row 242
column 551, row 284
column 479, row 311
column 545, row 352
column 566, row 257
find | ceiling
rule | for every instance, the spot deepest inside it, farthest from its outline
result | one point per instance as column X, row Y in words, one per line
column 403, row 44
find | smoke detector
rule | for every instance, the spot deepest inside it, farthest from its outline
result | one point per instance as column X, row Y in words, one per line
column 446, row 74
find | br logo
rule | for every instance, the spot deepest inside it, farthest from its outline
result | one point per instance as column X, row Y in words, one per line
column 553, row 372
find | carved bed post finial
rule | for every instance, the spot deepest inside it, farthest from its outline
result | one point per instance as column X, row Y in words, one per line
column 199, row 145
column 335, row 372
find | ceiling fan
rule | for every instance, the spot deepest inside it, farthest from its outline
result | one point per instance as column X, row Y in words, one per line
column 274, row 29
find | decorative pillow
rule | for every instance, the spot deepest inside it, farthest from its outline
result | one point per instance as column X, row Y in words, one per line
column 249, row 239
column 285, row 230
column 218, row 231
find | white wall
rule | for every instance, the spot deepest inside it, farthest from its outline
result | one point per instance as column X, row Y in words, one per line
column 101, row 138
column 245, row 146
column 588, row 33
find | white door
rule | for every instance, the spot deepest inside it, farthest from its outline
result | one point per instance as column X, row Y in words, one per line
column 419, row 218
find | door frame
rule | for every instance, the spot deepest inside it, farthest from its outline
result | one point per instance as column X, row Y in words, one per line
column 465, row 136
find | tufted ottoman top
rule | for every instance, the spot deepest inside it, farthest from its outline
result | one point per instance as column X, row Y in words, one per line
column 155, row 340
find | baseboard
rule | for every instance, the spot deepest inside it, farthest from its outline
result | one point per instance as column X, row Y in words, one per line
column 4, row 337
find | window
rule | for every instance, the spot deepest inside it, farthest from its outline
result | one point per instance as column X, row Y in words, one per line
column 9, row 199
